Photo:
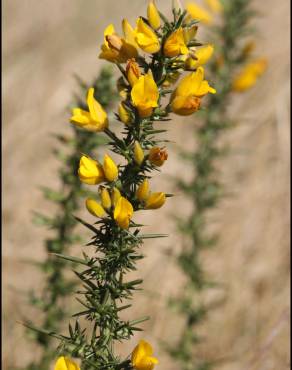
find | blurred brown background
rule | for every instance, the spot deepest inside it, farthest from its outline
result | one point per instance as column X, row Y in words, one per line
column 45, row 42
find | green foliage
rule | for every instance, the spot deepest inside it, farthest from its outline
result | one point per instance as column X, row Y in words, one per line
column 204, row 189
column 58, row 287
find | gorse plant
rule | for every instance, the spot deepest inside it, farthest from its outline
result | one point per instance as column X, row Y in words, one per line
column 154, row 54
column 204, row 189
column 51, row 301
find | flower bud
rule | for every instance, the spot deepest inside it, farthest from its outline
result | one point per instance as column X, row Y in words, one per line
column 153, row 15
column 124, row 115
column 105, row 198
column 138, row 153
column 94, row 208
column 110, row 168
column 143, row 191
column 132, row 71
column 155, row 200
column 157, row 156
column 115, row 196
column 90, row 171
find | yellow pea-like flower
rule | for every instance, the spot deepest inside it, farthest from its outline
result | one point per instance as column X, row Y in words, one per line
column 138, row 153
column 249, row 75
column 175, row 44
column 90, row 171
column 157, row 156
column 115, row 48
column 110, row 168
column 95, row 208
column 93, row 120
column 198, row 13
column 129, row 33
column 123, row 212
column 142, row 192
column 115, row 196
column 142, row 356
column 65, row 363
column 214, row 5
column 146, row 38
column 153, row 15
column 185, row 99
column 202, row 55
column 124, row 115
column 105, row 198
column 133, row 71
column 145, row 95
column 155, row 200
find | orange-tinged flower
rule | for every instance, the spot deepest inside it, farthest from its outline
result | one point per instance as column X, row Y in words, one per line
column 133, row 71
column 157, row 156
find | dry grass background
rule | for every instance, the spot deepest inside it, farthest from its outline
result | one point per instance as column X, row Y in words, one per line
column 45, row 42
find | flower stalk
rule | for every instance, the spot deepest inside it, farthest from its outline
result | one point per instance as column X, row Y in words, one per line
column 146, row 57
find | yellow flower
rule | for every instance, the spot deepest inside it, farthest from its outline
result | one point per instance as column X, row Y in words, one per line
column 94, row 120
column 124, row 115
column 65, row 363
column 94, row 208
column 157, row 156
column 138, row 153
column 153, row 15
column 214, row 5
column 145, row 95
column 249, row 75
column 175, row 44
column 110, row 168
column 198, row 13
column 129, row 33
column 146, row 38
column 142, row 192
column 90, row 171
column 202, row 56
column 155, row 200
column 105, row 198
column 185, row 99
column 123, row 212
column 142, row 358
column 115, row 48
column 132, row 71
column 115, row 196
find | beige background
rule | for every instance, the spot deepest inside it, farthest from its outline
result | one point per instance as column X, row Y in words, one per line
column 45, row 42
